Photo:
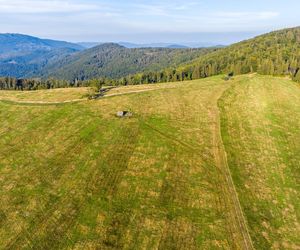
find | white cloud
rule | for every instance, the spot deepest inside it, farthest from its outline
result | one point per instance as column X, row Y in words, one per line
column 268, row 15
column 247, row 15
column 165, row 8
column 44, row 6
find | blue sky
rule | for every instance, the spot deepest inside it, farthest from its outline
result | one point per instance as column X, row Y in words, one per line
column 219, row 21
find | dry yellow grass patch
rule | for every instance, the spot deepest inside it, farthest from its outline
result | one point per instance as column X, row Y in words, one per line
column 51, row 95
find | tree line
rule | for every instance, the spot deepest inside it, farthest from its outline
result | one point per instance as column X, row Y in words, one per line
column 10, row 83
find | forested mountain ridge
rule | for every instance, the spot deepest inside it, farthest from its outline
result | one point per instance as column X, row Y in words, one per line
column 114, row 61
column 275, row 53
column 22, row 55
column 16, row 44
column 30, row 65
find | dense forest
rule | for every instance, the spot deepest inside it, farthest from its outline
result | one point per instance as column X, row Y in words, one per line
column 276, row 53
column 10, row 83
column 115, row 61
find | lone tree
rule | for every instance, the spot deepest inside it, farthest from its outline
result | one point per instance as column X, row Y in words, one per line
column 95, row 87
column 97, row 84
column 19, row 84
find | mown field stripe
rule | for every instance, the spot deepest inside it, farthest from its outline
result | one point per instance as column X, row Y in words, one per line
column 223, row 164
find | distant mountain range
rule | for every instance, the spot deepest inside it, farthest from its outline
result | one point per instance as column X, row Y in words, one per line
column 28, row 56
column 129, row 45
column 153, row 45
column 275, row 53
column 25, row 56
column 88, row 45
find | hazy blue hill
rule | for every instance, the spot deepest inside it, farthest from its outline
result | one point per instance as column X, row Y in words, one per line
column 177, row 46
column 88, row 45
column 152, row 45
column 22, row 55
column 17, row 43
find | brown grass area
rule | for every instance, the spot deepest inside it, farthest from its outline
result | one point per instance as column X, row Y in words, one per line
column 51, row 95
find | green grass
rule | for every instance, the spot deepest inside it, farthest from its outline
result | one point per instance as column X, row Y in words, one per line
column 261, row 121
column 73, row 176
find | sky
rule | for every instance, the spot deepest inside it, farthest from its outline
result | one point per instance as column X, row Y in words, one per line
column 175, row 21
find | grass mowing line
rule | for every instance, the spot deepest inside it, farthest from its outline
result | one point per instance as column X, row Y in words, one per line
column 172, row 139
column 176, row 141
column 221, row 160
column 48, row 216
column 239, row 230
column 46, row 219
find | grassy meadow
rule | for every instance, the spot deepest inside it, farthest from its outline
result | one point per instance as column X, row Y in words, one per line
column 261, row 131
column 205, row 164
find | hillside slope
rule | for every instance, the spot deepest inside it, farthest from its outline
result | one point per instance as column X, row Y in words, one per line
column 22, row 55
column 206, row 164
column 260, row 119
column 275, row 53
column 114, row 61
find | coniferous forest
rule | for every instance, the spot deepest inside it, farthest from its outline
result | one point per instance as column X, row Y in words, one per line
column 276, row 53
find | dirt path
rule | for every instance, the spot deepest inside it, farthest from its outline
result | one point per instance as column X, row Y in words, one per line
column 238, row 228
column 76, row 100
